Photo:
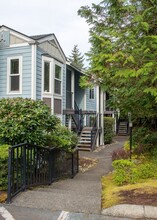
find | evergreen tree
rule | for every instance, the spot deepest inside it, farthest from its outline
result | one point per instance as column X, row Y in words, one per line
column 76, row 57
column 123, row 54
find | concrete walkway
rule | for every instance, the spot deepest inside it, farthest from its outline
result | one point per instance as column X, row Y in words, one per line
column 81, row 194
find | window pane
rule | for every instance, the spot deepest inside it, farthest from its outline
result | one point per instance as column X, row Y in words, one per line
column 91, row 93
column 57, row 86
column 57, row 106
column 47, row 101
column 14, row 80
column 14, row 66
column 46, row 77
column 57, row 72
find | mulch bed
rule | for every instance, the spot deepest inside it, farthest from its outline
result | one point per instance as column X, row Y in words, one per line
column 138, row 198
column 3, row 196
column 86, row 163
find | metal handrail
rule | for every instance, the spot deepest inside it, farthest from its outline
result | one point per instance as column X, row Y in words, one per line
column 94, row 132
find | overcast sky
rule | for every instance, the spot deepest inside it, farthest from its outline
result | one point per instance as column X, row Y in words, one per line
column 60, row 17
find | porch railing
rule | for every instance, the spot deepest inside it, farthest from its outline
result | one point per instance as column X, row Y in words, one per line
column 31, row 165
column 94, row 131
column 78, row 119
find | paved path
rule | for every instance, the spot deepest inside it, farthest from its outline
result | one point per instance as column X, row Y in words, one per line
column 74, row 199
column 81, row 194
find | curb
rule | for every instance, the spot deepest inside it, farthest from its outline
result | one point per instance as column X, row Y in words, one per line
column 131, row 211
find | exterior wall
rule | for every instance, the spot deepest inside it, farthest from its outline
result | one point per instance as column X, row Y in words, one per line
column 51, row 49
column 39, row 74
column 79, row 92
column 64, row 92
column 91, row 103
column 26, row 53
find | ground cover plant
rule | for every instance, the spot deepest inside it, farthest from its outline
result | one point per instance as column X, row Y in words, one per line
column 143, row 193
column 133, row 181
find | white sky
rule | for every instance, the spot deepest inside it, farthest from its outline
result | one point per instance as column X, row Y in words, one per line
column 32, row 17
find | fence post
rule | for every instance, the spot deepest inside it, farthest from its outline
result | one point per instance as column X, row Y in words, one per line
column 50, row 166
column 77, row 161
column 24, row 166
column 9, row 176
column 72, row 165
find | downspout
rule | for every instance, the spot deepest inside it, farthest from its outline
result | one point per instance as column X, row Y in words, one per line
column 97, row 112
column 33, row 81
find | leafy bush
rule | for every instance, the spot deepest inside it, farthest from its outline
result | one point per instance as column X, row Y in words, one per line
column 127, row 146
column 4, row 166
column 24, row 120
column 147, row 170
column 124, row 172
column 145, row 139
column 139, row 133
column 108, row 129
column 61, row 137
column 120, row 154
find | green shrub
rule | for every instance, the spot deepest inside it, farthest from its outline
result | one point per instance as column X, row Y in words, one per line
column 61, row 137
column 147, row 170
column 24, row 120
column 124, row 172
column 4, row 166
column 144, row 139
column 108, row 129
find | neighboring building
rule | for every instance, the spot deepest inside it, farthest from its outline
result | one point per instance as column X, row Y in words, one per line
column 36, row 67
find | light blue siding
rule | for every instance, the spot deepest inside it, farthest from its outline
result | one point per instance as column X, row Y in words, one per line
column 25, row 52
column 39, row 73
column 91, row 103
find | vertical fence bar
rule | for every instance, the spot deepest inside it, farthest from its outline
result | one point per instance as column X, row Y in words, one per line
column 9, row 176
column 72, row 165
column 24, row 167
column 77, row 161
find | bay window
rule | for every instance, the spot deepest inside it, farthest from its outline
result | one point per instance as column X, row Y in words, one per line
column 57, row 80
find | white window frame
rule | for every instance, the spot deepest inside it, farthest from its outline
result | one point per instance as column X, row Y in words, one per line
column 50, row 61
column 9, row 75
column 61, row 79
column 91, row 92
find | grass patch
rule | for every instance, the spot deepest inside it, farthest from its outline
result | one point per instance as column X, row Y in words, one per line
column 142, row 193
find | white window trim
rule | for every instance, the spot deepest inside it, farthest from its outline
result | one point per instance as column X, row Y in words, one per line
column 8, row 75
column 61, row 80
column 50, row 61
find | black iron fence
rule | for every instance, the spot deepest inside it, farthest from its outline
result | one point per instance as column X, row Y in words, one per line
column 31, row 165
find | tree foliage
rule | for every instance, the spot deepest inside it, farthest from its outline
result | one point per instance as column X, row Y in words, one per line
column 76, row 57
column 123, row 54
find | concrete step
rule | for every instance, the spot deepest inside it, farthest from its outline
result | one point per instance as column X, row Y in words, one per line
column 85, row 138
column 84, row 149
column 84, row 141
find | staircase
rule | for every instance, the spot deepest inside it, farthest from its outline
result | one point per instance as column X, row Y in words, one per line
column 85, row 139
column 123, row 128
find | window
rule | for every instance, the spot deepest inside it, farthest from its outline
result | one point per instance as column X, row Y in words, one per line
column 14, row 75
column 46, row 77
column 47, row 101
column 57, row 81
column 91, row 93
column 57, row 106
